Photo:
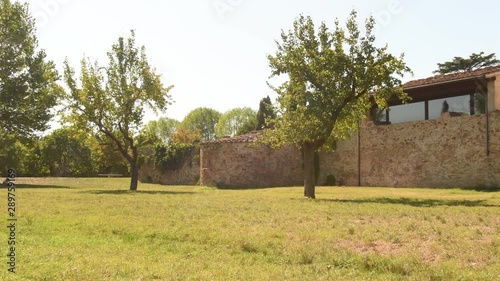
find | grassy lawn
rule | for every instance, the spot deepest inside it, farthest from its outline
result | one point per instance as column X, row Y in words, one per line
column 94, row 229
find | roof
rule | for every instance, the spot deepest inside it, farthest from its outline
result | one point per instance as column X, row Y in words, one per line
column 419, row 90
column 454, row 77
column 246, row 138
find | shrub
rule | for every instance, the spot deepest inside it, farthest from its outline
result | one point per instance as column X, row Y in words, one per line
column 330, row 180
column 170, row 157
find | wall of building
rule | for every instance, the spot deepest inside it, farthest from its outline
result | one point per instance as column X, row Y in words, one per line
column 448, row 152
column 496, row 89
column 187, row 174
column 241, row 165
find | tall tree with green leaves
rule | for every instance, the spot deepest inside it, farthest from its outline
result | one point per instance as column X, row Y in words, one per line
column 204, row 120
column 266, row 112
column 28, row 89
column 333, row 77
column 235, row 122
column 112, row 99
column 460, row 64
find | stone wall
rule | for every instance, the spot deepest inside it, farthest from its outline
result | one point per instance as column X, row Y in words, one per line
column 444, row 153
column 187, row 174
column 448, row 152
column 240, row 165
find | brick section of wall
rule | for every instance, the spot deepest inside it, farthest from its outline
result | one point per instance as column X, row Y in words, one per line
column 241, row 165
column 188, row 174
column 448, row 152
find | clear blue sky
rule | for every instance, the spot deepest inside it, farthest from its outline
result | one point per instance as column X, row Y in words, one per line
column 214, row 51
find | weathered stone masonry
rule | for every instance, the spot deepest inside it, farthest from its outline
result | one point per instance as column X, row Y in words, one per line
column 448, row 152
column 236, row 162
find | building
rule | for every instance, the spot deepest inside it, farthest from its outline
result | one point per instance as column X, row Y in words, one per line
column 447, row 136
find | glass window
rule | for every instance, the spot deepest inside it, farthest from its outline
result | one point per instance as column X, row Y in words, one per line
column 479, row 103
column 457, row 105
column 407, row 112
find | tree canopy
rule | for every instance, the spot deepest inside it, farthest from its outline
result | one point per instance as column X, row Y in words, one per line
column 333, row 78
column 204, row 120
column 28, row 89
column 474, row 61
column 235, row 122
column 112, row 100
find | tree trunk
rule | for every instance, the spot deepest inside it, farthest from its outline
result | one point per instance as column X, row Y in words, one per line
column 309, row 182
column 135, row 175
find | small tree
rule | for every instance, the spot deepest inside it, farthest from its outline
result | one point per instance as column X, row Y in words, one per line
column 474, row 61
column 333, row 77
column 266, row 112
column 112, row 100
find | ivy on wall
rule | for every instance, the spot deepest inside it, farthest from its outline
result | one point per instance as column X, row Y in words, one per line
column 171, row 156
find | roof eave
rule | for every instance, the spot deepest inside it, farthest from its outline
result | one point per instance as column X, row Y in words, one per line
column 446, row 82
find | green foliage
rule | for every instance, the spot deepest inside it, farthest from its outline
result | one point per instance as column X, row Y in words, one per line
column 330, row 181
column 112, row 100
column 266, row 114
column 22, row 154
column 474, row 61
column 248, row 126
column 159, row 131
column 66, row 155
column 171, row 157
column 236, row 122
column 186, row 136
column 333, row 78
column 12, row 153
column 332, row 75
column 105, row 157
column 28, row 88
column 204, row 120
column 34, row 162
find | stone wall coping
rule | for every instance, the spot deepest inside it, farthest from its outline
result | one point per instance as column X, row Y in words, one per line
column 246, row 138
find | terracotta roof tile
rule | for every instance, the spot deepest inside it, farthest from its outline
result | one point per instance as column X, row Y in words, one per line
column 451, row 77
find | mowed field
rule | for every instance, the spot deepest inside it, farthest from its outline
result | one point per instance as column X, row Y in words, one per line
column 95, row 229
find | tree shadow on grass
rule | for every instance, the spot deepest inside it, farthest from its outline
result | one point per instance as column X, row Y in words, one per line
column 128, row 192
column 484, row 189
column 243, row 188
column 37, row 186
column 415, row 202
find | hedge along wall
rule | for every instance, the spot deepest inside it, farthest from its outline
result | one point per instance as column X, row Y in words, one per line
column 448, row 152
column 185, row 172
